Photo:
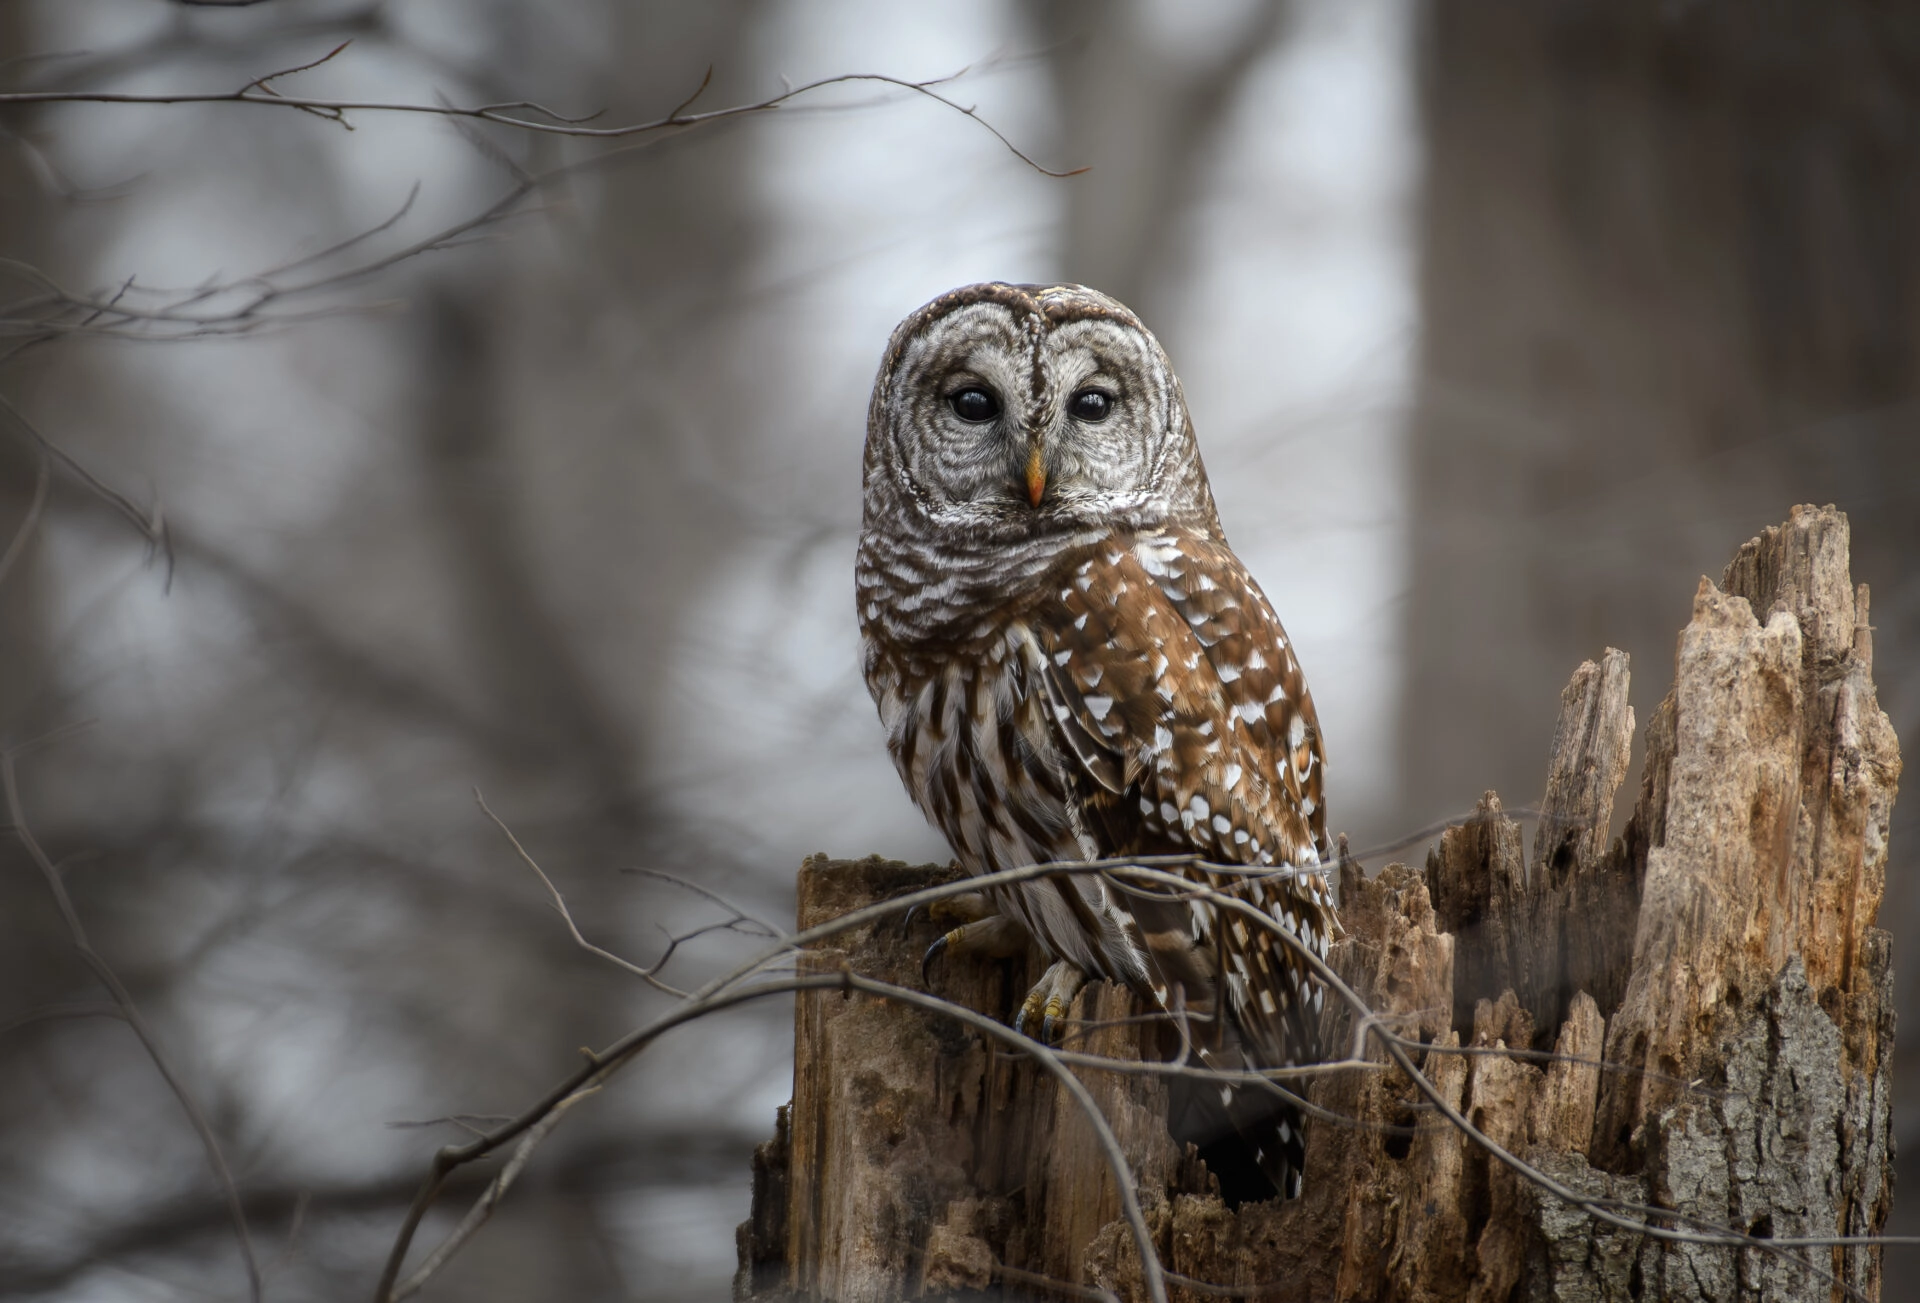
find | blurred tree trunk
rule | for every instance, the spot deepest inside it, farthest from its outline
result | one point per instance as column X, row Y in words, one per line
column 642, row 300
column 520, row 492
column 1144, row 114
column 1670, row 283
column 37, row 966
column 24, row 224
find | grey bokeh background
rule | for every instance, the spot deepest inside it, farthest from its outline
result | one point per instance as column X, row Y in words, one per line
column 1501, row 325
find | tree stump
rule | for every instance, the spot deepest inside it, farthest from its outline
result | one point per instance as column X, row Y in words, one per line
column 1705, row 998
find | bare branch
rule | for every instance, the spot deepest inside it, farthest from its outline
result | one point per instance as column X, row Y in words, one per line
column 490, row 1198
column 503, row 114
column 617, row 1056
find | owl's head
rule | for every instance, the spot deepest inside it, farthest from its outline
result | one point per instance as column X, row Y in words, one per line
column 1026, row 410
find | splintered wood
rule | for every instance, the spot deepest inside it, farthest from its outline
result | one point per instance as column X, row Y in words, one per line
column 1693, row 1017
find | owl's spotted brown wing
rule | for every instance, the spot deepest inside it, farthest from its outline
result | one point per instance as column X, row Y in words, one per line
column 1173, row 686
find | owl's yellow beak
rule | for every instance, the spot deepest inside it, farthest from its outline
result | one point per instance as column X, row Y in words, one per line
column 1036, row 476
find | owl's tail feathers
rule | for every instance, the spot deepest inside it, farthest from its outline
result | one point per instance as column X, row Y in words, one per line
column 1250, row 1138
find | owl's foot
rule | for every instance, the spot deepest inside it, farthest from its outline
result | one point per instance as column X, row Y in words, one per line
column 950, row 911
column 993, row 937
column 1044, row 1013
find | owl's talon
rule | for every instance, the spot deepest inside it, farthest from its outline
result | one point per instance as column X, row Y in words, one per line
column 995, row 937
column 1044, row 1013
column 934, row 952
column 1030, row 1014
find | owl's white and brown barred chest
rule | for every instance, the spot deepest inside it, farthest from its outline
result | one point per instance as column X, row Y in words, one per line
column 1070, row 663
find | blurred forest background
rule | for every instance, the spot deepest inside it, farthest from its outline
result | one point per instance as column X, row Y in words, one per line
column 1501, row 324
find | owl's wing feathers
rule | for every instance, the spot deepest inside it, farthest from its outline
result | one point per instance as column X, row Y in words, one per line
column 1173, row 689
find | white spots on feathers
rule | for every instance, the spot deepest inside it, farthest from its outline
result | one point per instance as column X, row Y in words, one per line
column 1159, row 556
column 1099, row 706
column 1202, row 914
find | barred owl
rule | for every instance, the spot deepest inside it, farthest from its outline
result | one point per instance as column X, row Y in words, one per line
column 1070, row 663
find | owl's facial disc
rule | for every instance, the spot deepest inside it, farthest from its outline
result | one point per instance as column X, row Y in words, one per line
column 1020, row 410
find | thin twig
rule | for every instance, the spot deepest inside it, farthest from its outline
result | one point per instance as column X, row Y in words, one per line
column 59, row 1012
column 559, row 903
column 687, row 884
column 123, row 1000
column 152, row 525
column 43, row 475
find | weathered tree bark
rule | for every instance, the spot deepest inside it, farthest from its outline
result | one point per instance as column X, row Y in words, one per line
column 1710, row 986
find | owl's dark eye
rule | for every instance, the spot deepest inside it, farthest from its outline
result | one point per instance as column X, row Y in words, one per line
column 974, row 403
column 1091, row 405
